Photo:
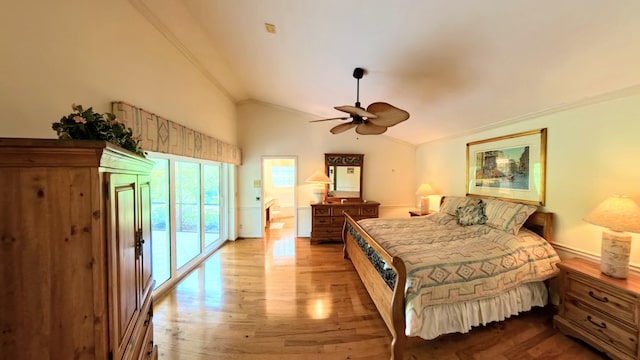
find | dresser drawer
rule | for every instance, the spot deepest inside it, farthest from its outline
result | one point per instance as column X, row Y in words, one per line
column 322, row 220
column 601, row 326
column 371, row 211
column 601, row 299
column 328, row 218
column 351, row 210
column 332, row 231
column 321, row 211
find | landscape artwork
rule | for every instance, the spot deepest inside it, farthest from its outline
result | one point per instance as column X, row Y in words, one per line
column 503, row 168
column 510, row 167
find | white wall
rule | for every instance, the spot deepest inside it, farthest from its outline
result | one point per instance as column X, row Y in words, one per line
column 593, row 151
column 55, row 53
column 266, row 130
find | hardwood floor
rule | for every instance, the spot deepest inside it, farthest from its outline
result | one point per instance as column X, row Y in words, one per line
column 281, row 298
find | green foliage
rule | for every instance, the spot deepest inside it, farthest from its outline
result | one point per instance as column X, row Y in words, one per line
column 88, row 125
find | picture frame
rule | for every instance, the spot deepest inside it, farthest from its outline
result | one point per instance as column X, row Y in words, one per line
column 510, row 167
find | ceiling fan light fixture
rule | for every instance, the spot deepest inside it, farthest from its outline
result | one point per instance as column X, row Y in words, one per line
column 374, row 120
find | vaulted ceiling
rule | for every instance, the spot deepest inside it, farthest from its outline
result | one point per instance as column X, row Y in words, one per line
column 454, row 65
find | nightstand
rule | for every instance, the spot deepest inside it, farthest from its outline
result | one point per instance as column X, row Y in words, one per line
column 601, row 310
column 418, row 213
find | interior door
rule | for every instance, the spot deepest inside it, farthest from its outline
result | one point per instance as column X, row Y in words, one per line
column 123, row 276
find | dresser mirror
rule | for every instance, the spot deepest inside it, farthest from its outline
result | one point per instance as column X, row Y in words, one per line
column 345, row 172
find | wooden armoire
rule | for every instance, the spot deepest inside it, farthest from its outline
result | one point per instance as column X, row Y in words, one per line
column 75, row 251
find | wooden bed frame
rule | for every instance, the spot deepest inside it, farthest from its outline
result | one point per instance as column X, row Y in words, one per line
column 391, row 303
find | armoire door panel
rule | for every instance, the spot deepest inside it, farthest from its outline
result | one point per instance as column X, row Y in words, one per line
column 123, row 280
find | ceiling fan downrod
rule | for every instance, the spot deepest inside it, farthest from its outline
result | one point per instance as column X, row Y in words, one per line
column 358, row 73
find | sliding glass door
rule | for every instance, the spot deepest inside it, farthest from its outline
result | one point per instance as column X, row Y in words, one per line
column 211, row 187
column 186, row 212
column 160, row 222
column 187, row 205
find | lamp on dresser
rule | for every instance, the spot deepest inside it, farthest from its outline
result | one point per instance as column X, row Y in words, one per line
column 319, row 179
column 619, row 214
column 424, row 191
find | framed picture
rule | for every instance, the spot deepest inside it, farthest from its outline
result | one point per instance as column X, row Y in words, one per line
column 511, row 167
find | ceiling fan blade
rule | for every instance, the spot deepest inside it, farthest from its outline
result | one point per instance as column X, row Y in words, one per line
column 335, row 118
column 368, row 128
column 342, row 128
column 355, row 111
column 387, row 114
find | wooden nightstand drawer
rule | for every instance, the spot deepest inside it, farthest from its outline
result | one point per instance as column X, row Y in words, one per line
column 601, row 326
column 601, row 299
column 601, row 310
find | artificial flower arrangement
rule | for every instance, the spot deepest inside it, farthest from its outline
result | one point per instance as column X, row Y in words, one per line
column 89, row 125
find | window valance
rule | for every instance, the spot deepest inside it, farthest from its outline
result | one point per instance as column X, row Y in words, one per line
column 165, row 136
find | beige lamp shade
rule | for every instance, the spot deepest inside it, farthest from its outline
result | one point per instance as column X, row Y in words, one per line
column 318, row 177
column 619, row 214
column 424, row 190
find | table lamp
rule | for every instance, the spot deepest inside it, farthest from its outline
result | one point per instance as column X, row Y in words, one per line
column 424, row 191
column 618, row 214
column 319, row 179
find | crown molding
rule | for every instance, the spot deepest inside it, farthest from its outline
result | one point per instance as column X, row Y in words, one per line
column 154, row 20
column 608, row 96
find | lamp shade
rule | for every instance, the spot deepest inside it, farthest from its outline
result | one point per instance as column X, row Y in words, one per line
column 425, row 189
column 618, row 213
column 318, row 177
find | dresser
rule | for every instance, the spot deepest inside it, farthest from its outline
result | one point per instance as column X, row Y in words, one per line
column 75, row 244
column 600, row 310
column 327, row 219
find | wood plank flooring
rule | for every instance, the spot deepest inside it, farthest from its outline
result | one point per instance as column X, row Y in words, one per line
column 280, row 298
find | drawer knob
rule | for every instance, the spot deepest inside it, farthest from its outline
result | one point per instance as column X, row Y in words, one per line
column 601, row 299
column 601, row 325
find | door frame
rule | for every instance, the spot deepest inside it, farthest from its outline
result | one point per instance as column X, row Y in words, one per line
column 263, row 217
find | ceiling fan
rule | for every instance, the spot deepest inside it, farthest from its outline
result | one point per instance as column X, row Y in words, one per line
column 373, row 121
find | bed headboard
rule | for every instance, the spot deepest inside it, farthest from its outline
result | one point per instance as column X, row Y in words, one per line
column 539, row 222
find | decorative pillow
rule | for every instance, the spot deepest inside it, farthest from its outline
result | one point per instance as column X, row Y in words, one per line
column 507, row 216
column 471, row 214
column 451, row 203
column 441, row 218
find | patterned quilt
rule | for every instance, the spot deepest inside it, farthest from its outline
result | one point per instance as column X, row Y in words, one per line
column 452, row 263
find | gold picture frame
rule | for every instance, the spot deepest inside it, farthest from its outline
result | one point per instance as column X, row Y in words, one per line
column 511, row 167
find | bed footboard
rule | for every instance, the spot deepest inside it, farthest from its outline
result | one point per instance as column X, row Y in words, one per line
column 390, row 303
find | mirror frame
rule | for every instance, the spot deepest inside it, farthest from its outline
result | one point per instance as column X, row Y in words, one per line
column 344, row 160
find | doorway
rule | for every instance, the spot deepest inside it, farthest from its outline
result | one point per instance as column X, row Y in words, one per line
column 279, row 174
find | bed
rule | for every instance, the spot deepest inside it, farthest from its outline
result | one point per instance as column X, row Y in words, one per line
column 431, row 275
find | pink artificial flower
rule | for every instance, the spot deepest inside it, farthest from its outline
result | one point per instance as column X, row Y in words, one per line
column 79, row 119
